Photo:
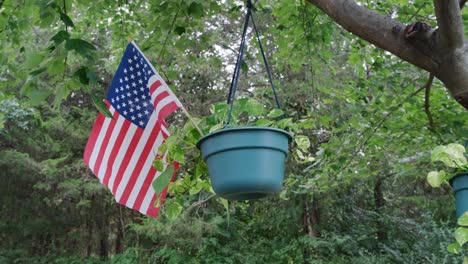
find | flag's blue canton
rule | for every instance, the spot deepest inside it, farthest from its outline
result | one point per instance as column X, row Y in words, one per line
column 129, row 93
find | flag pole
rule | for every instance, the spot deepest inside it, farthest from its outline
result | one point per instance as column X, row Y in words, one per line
column 191, row 119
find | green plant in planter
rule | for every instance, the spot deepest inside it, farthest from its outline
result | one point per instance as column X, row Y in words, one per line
column 192, row 184
column 453, row 156
column 461, row 236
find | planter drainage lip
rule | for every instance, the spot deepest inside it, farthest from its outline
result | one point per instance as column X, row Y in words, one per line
column 245, row 128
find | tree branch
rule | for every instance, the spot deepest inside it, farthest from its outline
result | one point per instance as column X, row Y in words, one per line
column 379, row 30
column 450, row 22
column 427, row 104
column 462, row 3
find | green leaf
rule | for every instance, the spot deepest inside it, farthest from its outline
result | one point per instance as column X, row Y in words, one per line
column 56, row 66
column 60, row 37
column 158, row 164
column 160, row 183
column 461, row 235
column 37, row 96
column 33, row 60
column 463, row 220
column 254, row 108
column 179, row 30
column 2, row 120
column 82, row 47
column 244, row 67
column 173, row 210
column 66, row 20
column 465, row 260
column 302, row 142
column 177, row 154
column 225, row 203
column 436, row 178
column 275, row 113
column 452, row 155
column 454, row 248
column 263, row 122
column 101, row 106
column 195, row 10
column 37, row 72
column 82, row 76
column 216, row 127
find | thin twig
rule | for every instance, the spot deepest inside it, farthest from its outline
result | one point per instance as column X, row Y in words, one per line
column 427, row 102
column 199, row 203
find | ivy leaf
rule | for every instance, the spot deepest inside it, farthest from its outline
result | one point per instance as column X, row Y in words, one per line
column 302, row 142
column 461, row 235
column 101, row 106
column 216, row 127
column 173, row 210
column 275, row 113
column 160, row 183
column 463, row 220
column 225, row 203
column 263, row 122
column 254, row 108
column 452, row 155
column 435, row 178
column 454, row 248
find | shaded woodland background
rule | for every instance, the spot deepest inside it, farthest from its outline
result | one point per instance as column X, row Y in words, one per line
column 363, row 200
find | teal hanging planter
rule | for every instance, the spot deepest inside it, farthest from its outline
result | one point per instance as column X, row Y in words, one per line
column 460, row 189
column 245, row 162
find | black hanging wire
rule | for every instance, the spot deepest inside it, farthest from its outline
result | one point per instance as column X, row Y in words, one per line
column 266, row 62
column 235, row 76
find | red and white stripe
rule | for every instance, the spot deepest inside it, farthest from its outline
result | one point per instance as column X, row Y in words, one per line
column 121, row 154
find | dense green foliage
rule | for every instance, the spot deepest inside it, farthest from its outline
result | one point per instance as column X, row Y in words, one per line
column 355, row 191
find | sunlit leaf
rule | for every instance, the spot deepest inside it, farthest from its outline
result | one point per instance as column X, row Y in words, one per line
column 461, row 235
column 463, row 219
column 436, row 178
column 173, row 210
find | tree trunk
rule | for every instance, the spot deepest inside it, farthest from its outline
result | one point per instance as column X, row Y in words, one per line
column 102, row 226
column 120, row 234
column 311, row 218
column 89, row 227
column 379, row 202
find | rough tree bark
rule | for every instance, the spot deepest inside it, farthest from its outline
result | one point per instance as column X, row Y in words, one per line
column 442, row 51
column 379, row 202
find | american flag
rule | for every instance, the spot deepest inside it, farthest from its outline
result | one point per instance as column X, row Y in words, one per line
column 120, row 151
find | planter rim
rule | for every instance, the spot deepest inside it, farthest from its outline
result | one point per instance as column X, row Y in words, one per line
column 245, row 128
column 456, row 176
